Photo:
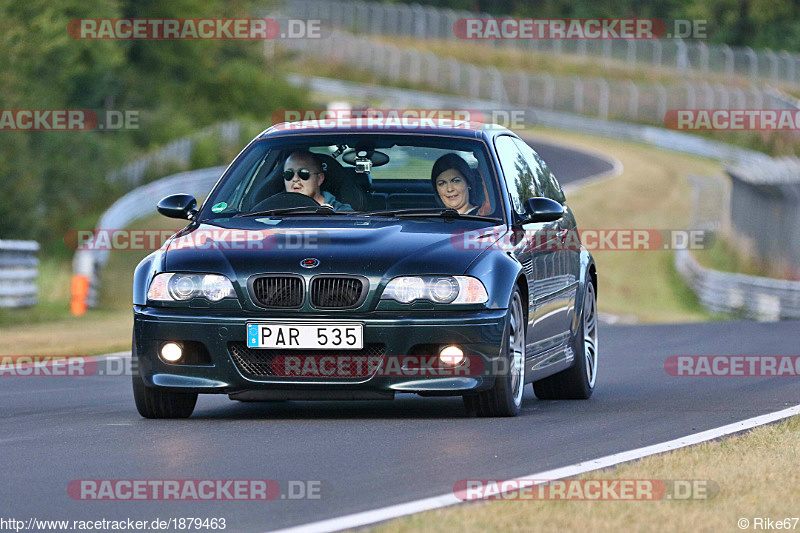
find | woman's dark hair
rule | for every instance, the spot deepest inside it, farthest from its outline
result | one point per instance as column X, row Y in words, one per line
column 454, row 161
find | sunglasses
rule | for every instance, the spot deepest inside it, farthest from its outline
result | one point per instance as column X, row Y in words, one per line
column 304, row 174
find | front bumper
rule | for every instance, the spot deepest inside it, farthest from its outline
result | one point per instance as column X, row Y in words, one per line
column 478, row 333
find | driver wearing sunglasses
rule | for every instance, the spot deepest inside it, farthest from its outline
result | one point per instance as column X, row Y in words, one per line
column 302, row 173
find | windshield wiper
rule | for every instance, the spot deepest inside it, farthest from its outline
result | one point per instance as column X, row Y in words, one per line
column 302, row 210
column 447, row 212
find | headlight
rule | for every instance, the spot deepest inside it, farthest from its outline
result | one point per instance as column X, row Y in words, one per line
column 175, row 287
column 437, row 289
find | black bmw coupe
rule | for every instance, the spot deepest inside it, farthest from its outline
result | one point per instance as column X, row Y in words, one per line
column 361, row 260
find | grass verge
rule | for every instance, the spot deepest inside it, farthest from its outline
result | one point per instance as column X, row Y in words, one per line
column 725, row 257
column 756, row 473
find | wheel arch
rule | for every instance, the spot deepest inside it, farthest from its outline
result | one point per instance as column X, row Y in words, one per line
column 522, row 283
column 588, row 274
column 500, row 274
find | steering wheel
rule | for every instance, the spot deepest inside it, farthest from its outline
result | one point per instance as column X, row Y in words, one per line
column 283, row 200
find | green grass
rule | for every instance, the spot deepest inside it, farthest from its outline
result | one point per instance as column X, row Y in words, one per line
column 726, row 257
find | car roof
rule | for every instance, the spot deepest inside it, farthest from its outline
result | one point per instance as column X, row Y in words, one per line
column 393, row 126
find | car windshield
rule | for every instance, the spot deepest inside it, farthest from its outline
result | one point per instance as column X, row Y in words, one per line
column 361, row 175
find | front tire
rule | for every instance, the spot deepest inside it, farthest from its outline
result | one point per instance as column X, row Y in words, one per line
column 505, row 397
column 161, row 403
column 577, row 382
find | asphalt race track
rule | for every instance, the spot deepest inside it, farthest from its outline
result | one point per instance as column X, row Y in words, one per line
column 569, row 165
column 368, row 454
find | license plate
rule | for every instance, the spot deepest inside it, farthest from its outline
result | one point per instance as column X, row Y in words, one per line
column 319, row 336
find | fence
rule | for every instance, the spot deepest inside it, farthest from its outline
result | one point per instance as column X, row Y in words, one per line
column 394, row 97
column 694, row 58
column 140, row 202
column 605, row 99
column 19, row 268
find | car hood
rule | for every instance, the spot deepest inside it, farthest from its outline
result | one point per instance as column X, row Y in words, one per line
column 372, row 247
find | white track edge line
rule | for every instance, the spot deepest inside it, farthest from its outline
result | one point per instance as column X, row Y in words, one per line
column 365, row 518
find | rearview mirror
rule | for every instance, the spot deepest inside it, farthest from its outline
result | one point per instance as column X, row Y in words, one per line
column 178, row 206
column 543, row 210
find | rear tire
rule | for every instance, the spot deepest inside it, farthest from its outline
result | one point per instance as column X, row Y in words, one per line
column 577, row 382
column 505, row 397
column 161, row 403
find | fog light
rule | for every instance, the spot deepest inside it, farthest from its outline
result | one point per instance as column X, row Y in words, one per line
column 171, row 352
column 451, row 355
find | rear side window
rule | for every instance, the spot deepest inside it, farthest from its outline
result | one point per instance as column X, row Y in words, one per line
column 518, row 174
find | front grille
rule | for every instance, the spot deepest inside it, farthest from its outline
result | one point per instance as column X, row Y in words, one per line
column 278, row 291
column 267, row 363
column 336, row 292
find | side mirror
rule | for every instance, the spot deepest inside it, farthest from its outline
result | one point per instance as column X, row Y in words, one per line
column 178, row 206
column 543, row 210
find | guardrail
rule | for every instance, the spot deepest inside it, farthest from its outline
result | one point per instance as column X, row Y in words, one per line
column 752, row 297
column 19, row 268
column 685, row 57
column 140, row 202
